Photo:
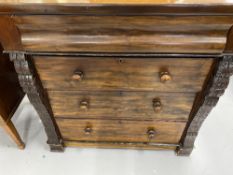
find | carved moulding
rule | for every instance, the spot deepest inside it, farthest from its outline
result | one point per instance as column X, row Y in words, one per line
column 215, row 88
column 31, row 85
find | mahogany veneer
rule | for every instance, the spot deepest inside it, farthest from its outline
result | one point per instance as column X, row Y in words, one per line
column 121, row 75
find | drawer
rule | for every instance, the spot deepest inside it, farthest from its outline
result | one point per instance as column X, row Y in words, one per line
column 124, row 33
column 145, row 74
column 127, row 105
column 120, row 130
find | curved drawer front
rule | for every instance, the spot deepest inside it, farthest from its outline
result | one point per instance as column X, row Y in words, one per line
column 143, row 74
column 120, row 131
column 139, row 34
column 124, row 105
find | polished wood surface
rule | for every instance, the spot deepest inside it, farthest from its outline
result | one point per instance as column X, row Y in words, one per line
column 120, row 130
column 154, row 34
column 56, row 73
column 121, row 105
column 117, row 10
column 122, row 1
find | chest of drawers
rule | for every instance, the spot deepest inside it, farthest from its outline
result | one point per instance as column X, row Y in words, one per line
column 120, row 76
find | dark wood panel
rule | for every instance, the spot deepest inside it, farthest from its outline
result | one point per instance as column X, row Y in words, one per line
column 10, row 90
column 189, row 34
column 120, row 130
column 127, row 105
column 118, row 9
column 11, row 95
column 133, row 22
column 122, row 74
column 120, row 2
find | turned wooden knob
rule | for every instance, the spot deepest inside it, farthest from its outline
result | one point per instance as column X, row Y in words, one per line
column 151, row 133
column 78, row 75
column 88, row 130
column 165, row 76
column 157, row 105
column 84, row 105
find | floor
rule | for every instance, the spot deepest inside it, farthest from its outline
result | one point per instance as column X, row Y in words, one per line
column 213, row 153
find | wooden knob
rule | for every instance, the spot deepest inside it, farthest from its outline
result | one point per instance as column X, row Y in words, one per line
column 88, row 130
column 157, row 105
column 151, row 133
column 165, row 76
column 84, row 105
column 78, row 75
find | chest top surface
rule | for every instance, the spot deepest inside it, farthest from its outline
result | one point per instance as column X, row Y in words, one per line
column 122, row 1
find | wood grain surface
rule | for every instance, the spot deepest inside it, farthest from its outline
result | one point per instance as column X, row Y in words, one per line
column 121, row 105
column 120, row 130
column 122, row 74
column 222, row 9
column 23, row 2
column 116, row 145
column 160, row 34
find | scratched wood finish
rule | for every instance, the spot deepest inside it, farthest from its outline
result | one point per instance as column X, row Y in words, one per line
column 122, row 74
column 116, row 145
column 124, row 105
column 160, row 34
column 120, row 130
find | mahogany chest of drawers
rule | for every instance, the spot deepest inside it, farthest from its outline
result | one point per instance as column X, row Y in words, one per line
column 120, row 76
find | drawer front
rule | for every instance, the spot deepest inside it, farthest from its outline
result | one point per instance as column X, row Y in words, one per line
column 127, row 105
column 120, row 130
column 161, row 34
column 79, row 73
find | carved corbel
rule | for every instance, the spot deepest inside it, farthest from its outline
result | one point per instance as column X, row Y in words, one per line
column 31, row 85
column 10, row 40
column 208, row 99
